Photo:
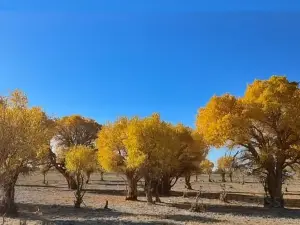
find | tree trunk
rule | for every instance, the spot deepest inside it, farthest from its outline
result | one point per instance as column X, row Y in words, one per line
column 274, row 188
column 209, row 177
column 196, row 176
column 71, row 182
column 148, row 187
column 101, row 176
column 79, row 190
column 188, row 181
column 230, row 176
column 88, row 175
column 132, row 187
column 157, row 199
column 223, row 177
column 44, row 180
column 164, row 186
column 60, row 167
column 7, row 197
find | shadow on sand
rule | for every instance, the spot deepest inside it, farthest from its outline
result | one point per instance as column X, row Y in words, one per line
column 250, row 211
column 55, row 214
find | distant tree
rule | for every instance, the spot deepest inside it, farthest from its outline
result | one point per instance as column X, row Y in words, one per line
column 264, row 123
column 79, row 160
column 71, row 131
column 206, row 167
column 45, row 169
column 25, row 133
column 225, row 166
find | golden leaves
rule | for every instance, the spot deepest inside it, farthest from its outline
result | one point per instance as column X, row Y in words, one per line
column 225, row 162
column 25, row 132
column 80, row 159
column 268, row 105
column 76, row 130
column 206, row 166
column 148, row 144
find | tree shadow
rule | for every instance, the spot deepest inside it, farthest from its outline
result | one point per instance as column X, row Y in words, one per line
column 106, row 221
column 250, row 211
column 48, row 212
column 244, row 197
column 150, row 219
column 40, row 186
column 111, row 192
column 55, row 214
column 193, row 218
column 111, row 184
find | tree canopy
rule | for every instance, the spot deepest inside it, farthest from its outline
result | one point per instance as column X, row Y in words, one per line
column 206, row 166
column 25, row 134
column 149, row 147
column 76, row 130
column 80, row 159
column 264, row 123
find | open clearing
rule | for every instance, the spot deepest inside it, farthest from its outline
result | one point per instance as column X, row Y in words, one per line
column 53, row 204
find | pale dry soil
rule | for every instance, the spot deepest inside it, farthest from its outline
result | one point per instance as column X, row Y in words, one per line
column 53, row 204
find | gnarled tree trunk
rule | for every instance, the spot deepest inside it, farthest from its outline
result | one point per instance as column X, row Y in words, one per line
column 273, row 187
column 132, row 186
column 7, row 197
column 60, row 167
column 71, row 181
column 164, row 185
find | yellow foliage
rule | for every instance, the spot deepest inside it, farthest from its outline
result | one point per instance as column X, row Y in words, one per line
column 76, row 130
column 25, row 133
column 149, row 145
column 113, row 153
column 266, row 120
column 126, row 144
column 206, row 166
column 153, row 141
column 225, row 163
column 80, row 159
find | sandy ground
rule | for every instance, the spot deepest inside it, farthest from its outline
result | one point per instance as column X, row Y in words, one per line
column 53, row 204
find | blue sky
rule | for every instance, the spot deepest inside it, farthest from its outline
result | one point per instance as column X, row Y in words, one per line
column 104, row 59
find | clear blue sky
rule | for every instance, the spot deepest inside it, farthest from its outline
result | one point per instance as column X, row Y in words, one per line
column 104, row 59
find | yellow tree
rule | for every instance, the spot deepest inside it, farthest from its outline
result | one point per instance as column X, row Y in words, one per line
column 79, row 160
column 70, row 131
column 225, row 166
column 189, row 150
column 192, row 150
column 115, row 153
column 92, row 167
column 265, row 123
column 153, row 141
column 25, row 134
column 206, row 166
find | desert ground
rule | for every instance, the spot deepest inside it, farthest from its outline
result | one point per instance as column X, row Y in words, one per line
column 53, row 203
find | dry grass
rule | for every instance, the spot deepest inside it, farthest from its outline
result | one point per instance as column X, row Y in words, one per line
column 53, row 204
